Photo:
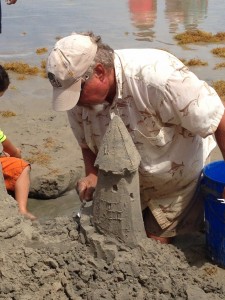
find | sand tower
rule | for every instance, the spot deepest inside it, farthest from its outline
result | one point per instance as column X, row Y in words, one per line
column 116, row 205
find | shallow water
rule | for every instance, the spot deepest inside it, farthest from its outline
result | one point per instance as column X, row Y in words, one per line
column 29, row 25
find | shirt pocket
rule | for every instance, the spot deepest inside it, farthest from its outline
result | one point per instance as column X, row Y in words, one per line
column 159, row 138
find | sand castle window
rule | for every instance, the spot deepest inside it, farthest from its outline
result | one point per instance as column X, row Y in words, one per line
column 115, row 188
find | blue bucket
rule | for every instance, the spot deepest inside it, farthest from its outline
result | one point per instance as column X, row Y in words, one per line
column 213, row 184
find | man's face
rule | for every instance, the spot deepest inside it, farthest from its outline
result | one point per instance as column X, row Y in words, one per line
column 94, row 92
column 97, row 89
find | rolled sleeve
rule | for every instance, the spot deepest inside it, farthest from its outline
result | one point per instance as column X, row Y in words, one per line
column 2, row 136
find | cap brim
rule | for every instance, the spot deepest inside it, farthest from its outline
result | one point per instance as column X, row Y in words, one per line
column 66, row 99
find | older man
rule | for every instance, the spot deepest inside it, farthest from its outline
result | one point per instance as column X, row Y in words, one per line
column 170, row 114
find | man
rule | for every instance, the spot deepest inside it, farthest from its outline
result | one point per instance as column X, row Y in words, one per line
column 9, row 2
column 170, row 114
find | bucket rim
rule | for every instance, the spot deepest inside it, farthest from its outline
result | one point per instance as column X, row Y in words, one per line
column 210, row 166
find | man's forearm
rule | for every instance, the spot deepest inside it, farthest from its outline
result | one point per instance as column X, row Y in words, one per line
column 89, row 160
column 86, row 186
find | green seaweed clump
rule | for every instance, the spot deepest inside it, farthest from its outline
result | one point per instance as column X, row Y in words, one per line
column 198, row 36
column 21, row 68
column 219, row 66
column 41, row 50
column 219, row 86
column 194, row 62
column 220, row 51
column 7, row 114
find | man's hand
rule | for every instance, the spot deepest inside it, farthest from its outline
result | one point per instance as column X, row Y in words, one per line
column 9, row 2
column 85, row 187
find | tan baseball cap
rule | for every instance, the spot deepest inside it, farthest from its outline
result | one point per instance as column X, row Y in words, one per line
column 66, row 64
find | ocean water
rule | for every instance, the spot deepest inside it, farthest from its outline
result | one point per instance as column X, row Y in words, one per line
column 29, row 25
column 35, row 23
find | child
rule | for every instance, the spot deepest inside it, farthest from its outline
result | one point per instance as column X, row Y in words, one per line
column 16, row 172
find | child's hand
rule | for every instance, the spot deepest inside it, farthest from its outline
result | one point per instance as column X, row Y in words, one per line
column 3, row 154
column 18, row 153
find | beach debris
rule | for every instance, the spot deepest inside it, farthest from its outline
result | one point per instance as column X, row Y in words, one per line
column 194, row 62
column 219, row 51
column 219, row 66
column 41, row 50
column 7, row 113
column 219, row 86
column 39, row 157
column 199, row 36
column 21, row 68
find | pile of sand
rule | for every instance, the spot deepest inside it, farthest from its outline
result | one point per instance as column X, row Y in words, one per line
column 50, row 260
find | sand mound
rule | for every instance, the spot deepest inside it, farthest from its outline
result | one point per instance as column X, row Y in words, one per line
column 50, row 260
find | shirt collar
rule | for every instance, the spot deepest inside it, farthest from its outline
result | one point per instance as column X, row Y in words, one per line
column 118, row 75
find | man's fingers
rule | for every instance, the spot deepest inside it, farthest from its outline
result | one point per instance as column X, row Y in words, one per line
column 82, row 194
column 80, row 188
column 88, row 194
column 84, row 190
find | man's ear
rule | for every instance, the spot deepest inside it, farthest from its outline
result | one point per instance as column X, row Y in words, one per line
column 100, row 71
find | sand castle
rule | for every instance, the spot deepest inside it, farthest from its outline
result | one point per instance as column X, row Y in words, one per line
column 116, row 205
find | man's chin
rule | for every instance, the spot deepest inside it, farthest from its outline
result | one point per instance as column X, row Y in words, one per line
column 98, row 107
column 95, row 107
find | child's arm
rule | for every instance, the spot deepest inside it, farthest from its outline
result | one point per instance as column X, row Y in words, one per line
column 9, row 148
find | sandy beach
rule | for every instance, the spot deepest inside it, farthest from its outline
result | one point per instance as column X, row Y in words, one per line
column 49, row 259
